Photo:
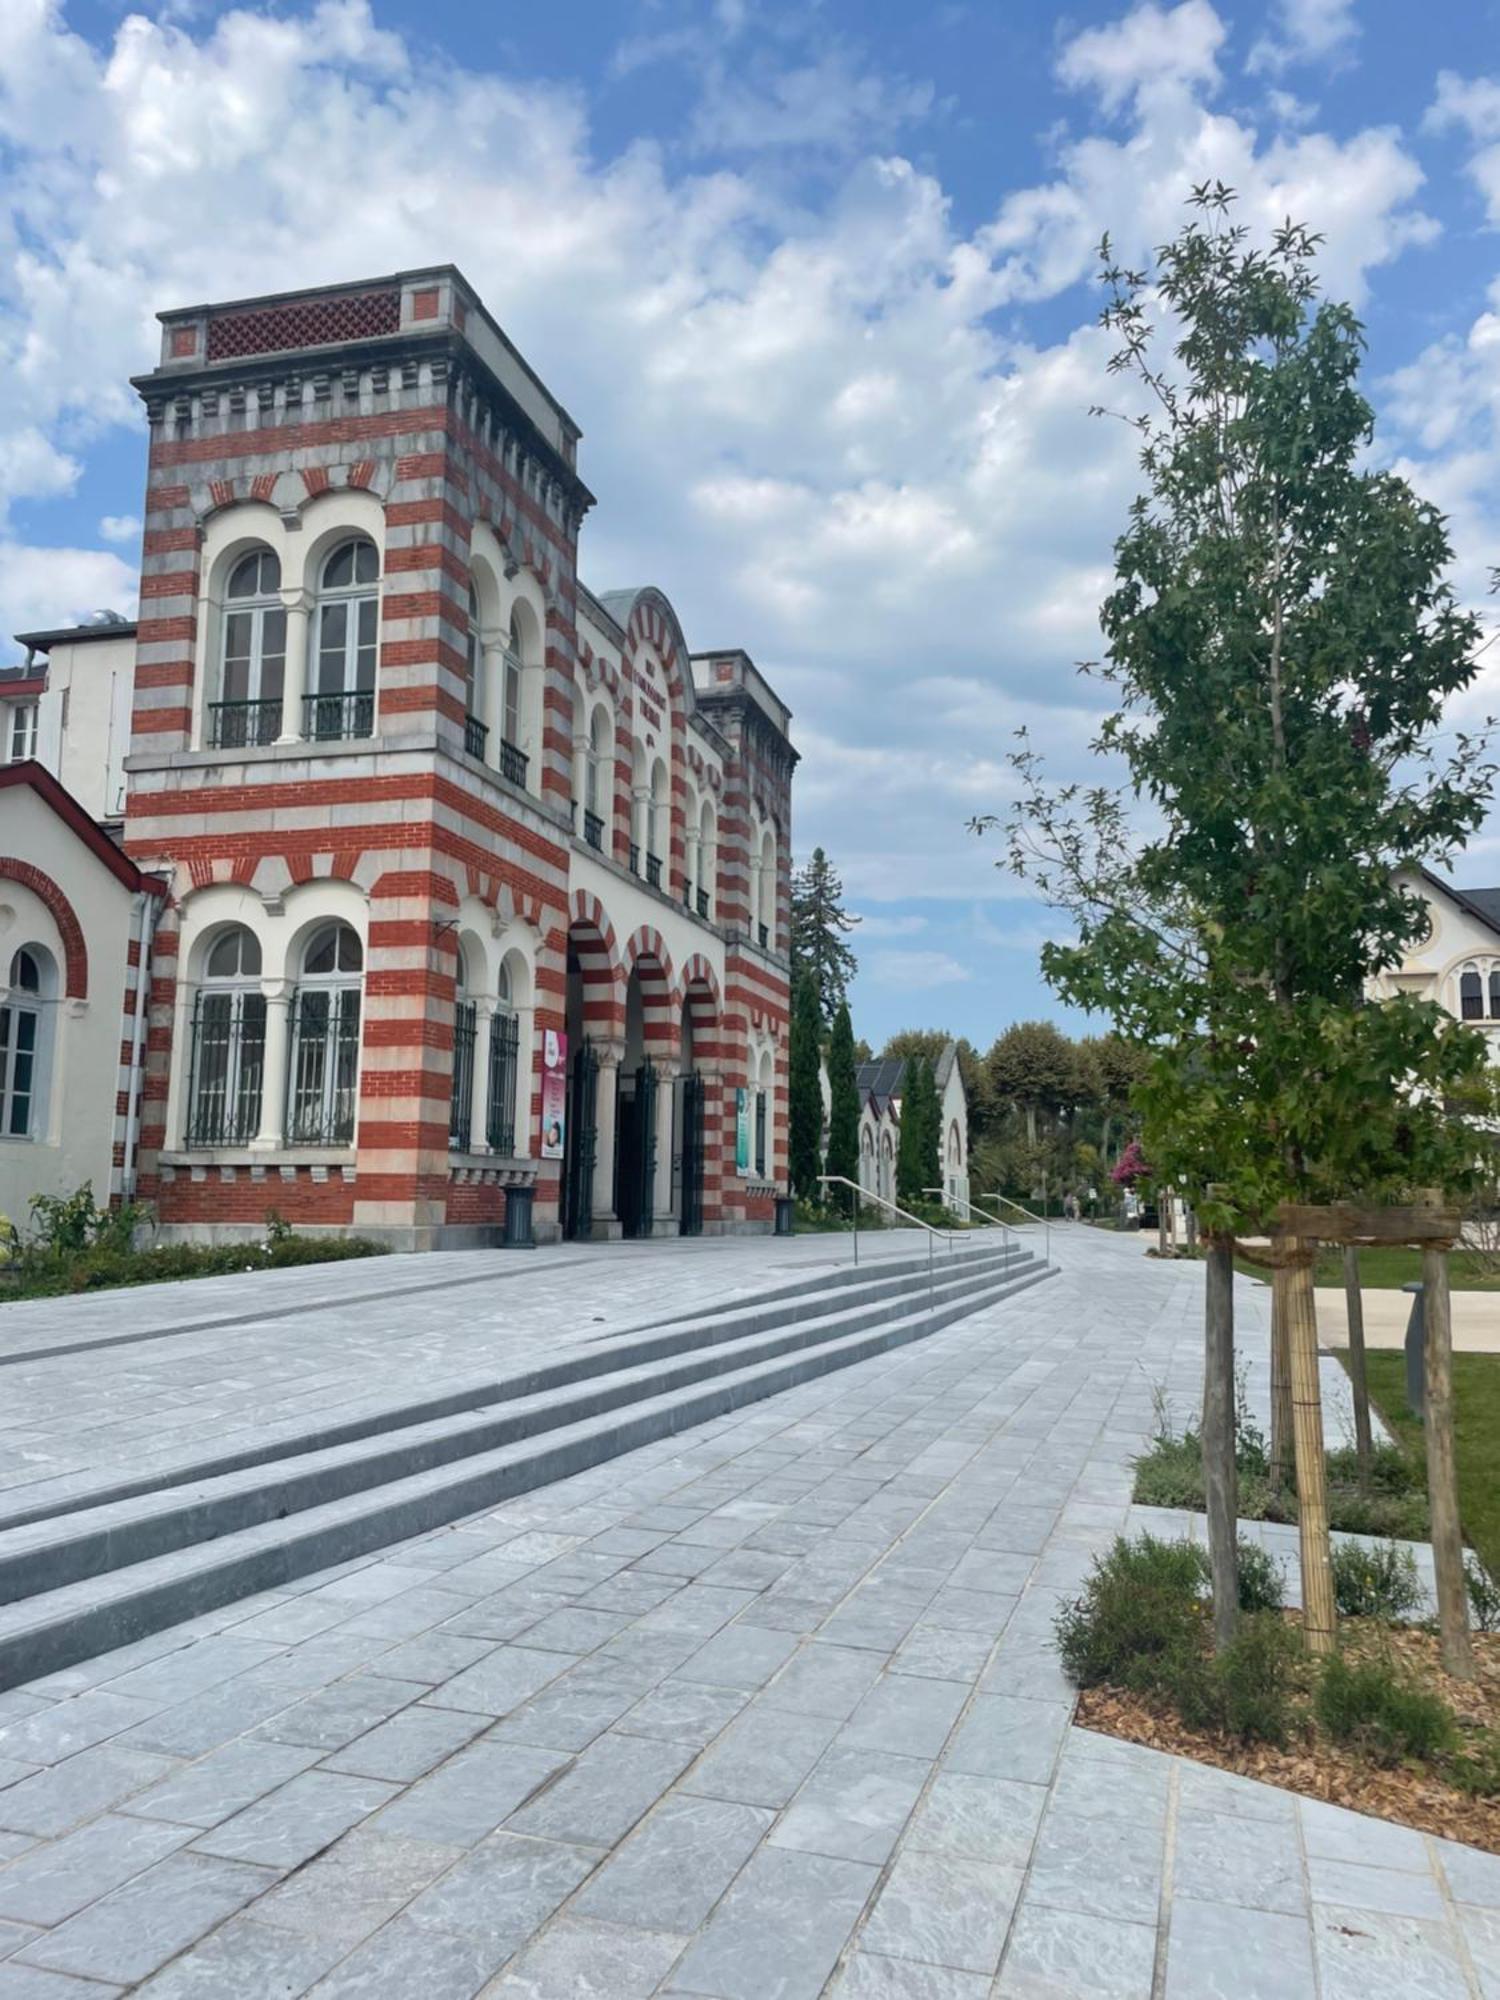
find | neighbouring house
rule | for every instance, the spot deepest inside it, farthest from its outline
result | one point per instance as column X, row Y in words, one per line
column 451, row 876
column 1458, row 962
column 880, row 1090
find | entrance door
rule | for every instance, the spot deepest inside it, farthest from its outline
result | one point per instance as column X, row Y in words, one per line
column 580, row 1144
column 690, row 1123
column 635, row 1179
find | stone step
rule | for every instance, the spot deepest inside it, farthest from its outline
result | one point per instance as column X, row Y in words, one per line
column 42, row 1555
column 372, row 1417
column 95, row 1613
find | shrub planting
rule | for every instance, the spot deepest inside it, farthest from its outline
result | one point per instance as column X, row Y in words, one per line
column 1379, row 1711
column 1378, row 1582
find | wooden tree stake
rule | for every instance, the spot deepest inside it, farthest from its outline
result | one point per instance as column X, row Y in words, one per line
column 1220, row 1477
column 1281, row 1383
column 1355, row 1307
column 1318, row 1621
column 1442, row 1471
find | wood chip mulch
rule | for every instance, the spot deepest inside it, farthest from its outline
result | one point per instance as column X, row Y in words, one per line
column 1322, row 1770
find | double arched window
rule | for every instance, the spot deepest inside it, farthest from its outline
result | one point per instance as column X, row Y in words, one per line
column 486, row 1068
column 1474, row 986
column 229, row 1043
column 24, row 1016
column 252, row 670
column 322, row 1097
column 342, row 701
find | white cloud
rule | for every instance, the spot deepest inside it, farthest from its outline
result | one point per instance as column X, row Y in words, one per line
column 121, row 527
column 1472, row 104
column 1149, row 50
column 42, row 588
column 891, row 927
column 915, row 971
column 1306, row 31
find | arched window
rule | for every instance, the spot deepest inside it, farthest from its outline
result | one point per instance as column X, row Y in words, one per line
column 762, row 1113
column 659, row 826
column 465, row 1034
column 765, row 928
column 598, row 777
column 23, row 1044
column 1470, row 995
column 343, row 702
column 708, row 861
column 228, row 1059
column 475, row 728
column 513, row 759
column 253, row 656
column 325, row 1039
column 505, row 1064
column 1495, row 992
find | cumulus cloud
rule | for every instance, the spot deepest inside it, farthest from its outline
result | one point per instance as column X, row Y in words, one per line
column 825, row 421
column 915, row 971
column 1306, row 31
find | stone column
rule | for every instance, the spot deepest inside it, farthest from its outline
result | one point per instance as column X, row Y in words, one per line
column 666, row 1103
column 640, row 823
column 492, row 694
column 580, row 779
column 294, row 675
column 270, row 1137
column 479, row 1098
column 605, row 1104
column 691, row 862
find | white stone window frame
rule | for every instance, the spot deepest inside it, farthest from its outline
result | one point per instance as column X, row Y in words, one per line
column 499, row 967
column 39, row 1006
column 283, row 927
column 511, row 601
column 21, row 730
column 301, row 544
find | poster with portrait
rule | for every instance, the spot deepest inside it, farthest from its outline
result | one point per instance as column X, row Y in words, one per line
column 554, row 1092
column 742, row 1131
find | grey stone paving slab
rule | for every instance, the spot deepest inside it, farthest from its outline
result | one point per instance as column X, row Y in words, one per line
column 675, row 1867
column 222, row 1783
column 1072, row 1955
column 854, row 1804
column 741, row 1656
column 131, row 1932
column 337, row 1715
column 501, row 1681
column 49, row 1734
column 1003, row 1737
column 244, row 1960
column 683, row 1712
column 867, row 1976
column 906, row 1713
column 978, row 1819
column 1364, row 1955
column 578, row 1959
column 1221, row 1951
column 356, row 1885
column 825, row 1679
column 1399, row 1892
column 779, row 1930
column 470, row 1795
column 944, row 1909
column 66, row 1794
column 504, row 1891
column 1224, row 1859
column 408, row 1745
column 402, row 1959
column 763, row 1757
column 602, row 1795
column 50, row 1883
column 29, row 1982
column 289, row 1826
column 1099, row 1866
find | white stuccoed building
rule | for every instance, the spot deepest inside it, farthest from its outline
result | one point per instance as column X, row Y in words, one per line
column 1458, row 962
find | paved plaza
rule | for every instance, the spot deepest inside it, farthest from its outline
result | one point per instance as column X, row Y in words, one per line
column 766, row 1710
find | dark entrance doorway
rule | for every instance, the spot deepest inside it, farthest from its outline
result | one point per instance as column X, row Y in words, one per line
column 635, row 1173
column 580, row 1143
column 689, row 1122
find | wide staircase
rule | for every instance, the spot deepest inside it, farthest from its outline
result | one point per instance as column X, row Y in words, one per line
column 126, row 1556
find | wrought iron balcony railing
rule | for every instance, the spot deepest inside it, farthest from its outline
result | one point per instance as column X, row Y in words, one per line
column 653, row 870
column 241, row 725
column 513, row 763
column 476, row 735
column 593, row 830
column 338, row 718
column 703, row 904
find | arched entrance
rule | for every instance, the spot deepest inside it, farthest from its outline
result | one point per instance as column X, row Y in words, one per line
column 590, row 1019
column 646, row 1151
column 696, row 1186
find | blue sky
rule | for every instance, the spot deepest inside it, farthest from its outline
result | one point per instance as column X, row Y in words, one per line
column 816, row 281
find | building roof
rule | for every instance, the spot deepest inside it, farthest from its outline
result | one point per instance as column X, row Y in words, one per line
column 41, row 781
column 1482, row 904
column 77, row 635
column 886, row 1076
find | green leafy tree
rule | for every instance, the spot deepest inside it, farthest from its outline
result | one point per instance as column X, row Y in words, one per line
column 917, row 1156
column 804, row 1093
column 1281, row 641
column 908, row 1042
column 843, row 1111
column 1033, row 1067
column 819, row 926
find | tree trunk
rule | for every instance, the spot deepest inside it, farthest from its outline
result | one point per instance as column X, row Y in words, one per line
column 1163, row 1198
column 1031, row 1126
column 1354, row 1306
column 1318, row 1622
column 1220, row 1477
column 1281, row 1381
column 1442, row 1471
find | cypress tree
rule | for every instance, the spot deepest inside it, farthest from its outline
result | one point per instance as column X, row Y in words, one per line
column 917, row 1164
column 804, row 1094
column 843, row 1116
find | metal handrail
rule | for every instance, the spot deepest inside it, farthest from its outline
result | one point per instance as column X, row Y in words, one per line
column 994, row 1194
column 863, row 1194
column 972, row 1209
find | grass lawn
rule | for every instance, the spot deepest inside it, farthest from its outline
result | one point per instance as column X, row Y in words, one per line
column 1386, row 1269
column 1476, row 1410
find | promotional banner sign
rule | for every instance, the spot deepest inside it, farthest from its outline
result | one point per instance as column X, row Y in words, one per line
column 554, row 1092
column 742, row 1131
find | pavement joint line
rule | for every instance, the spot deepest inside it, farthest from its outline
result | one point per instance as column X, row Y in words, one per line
column 1467, row 1966
column 1168, row 1870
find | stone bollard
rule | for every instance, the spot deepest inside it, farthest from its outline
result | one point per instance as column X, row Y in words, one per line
column 1416, row 1352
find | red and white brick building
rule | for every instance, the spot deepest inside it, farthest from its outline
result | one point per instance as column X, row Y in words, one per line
column 474, row 880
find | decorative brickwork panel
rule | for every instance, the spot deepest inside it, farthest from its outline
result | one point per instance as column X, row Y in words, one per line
column 184, row 341
column 307, row 323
